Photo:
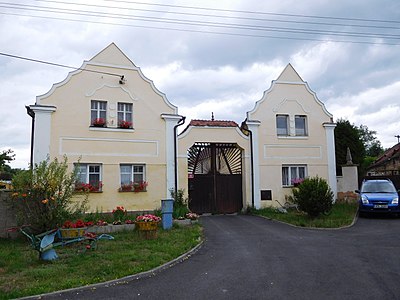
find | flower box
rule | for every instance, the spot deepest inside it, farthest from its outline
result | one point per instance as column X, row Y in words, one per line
column 99, row 122
column 72, row 233
column 146, row 226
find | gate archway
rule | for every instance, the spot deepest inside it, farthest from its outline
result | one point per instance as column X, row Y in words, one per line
column 215, row 178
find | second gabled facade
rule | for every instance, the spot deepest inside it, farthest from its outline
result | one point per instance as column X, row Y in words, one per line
column 292, row 138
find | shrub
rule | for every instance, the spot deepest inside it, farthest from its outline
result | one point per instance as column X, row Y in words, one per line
column 42, row 196
column 313, row 196
column 180, row 203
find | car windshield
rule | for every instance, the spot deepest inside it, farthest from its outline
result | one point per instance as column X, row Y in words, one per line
column 378, row 187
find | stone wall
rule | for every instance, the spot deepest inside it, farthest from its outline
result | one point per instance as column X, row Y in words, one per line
column 7, row 216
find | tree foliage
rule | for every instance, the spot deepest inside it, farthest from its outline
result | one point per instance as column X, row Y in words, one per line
column 371, row 144
column 362, row 142
column 5, row 157
column 348, row 135
column 43, row 197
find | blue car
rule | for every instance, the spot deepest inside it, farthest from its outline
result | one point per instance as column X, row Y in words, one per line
column 378, row 195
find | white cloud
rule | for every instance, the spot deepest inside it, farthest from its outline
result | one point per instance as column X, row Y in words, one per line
column 202, row 72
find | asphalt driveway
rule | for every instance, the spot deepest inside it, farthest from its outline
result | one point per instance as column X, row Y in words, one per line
column 248, row 257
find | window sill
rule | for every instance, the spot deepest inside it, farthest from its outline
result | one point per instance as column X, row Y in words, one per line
column 293, row 137
column 132, row 191
column 113, row 129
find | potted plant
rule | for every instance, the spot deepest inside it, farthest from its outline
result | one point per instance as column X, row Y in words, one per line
column 127, row 187
column 99, row 122
column 88, row 187
column 124, row 124
column 140, row 186
column 147, row 222
column 71, row 230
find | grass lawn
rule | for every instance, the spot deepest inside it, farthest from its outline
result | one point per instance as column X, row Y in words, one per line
column 341, row 215
column 23, row 274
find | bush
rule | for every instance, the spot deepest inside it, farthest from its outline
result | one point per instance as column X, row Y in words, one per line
column 180, row 203
column 42, row 197
column 313, row 196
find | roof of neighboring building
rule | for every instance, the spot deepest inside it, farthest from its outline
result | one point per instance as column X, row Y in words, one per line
column 388, row 155
column 213, row 123
column 210, row 123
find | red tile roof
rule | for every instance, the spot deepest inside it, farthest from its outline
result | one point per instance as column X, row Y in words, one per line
column 213, row 123
column 387, row 156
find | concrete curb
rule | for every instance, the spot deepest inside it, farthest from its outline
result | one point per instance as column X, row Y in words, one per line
column 126, row 279
column 314, row 228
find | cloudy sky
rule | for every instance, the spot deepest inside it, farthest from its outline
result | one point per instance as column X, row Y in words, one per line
column 209, row 56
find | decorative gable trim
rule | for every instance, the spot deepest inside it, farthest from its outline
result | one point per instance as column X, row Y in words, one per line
column 274, row 82
column 131, row 95
column 119, row 67
column 278, row 107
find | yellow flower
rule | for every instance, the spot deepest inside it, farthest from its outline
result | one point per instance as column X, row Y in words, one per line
column 45, row 201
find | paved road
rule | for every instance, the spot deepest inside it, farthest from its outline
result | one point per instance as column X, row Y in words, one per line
column 248, row 257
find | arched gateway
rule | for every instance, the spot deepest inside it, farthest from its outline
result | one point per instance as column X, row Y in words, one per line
column 215, row 178
column 215, row 159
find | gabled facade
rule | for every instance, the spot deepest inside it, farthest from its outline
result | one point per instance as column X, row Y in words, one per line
column 115, row 126
column 121, row 133
column 292, row 138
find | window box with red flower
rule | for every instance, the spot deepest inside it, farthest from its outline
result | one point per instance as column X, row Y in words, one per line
column 94, row 187
column 99, row 122
column 134, row 187
column 125, row 124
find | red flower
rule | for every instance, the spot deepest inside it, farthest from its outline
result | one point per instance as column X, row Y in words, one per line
column 98, row 122
column 125, row 124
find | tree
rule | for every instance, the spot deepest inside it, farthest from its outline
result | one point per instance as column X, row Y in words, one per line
column 5, row 157
column 371, row 144
column 348, row 135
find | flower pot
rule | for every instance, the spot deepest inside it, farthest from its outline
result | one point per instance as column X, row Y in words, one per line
column 147, row 226
column 147, row 230
column 72, row 233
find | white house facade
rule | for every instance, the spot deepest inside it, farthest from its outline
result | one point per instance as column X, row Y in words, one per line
column 121, row 133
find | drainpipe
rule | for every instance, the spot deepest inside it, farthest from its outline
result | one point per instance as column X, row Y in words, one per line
column 181, row 122
column 252, row 167
column 31, row 113
column 245, row 127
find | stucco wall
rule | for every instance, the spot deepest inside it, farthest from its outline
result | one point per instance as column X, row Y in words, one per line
column 71, row 133
column 289, row 95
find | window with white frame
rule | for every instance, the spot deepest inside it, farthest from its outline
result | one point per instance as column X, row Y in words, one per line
column 300, row 125
column 125, row 115
column 98, row 113
column 282, row 125
column 133, row 177
column 292, row 175
column 89, row 177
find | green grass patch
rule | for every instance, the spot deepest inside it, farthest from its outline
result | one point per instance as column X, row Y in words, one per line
column 342, row 214
column 23, row 274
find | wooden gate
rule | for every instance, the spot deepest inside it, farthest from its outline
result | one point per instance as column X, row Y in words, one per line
column 215, row 178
